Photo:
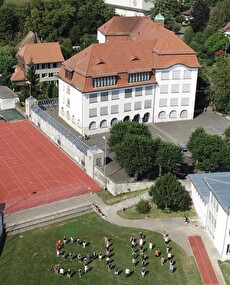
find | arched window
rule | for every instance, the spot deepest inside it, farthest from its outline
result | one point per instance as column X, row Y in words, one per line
column 113, row 121
column 73, row 119
column 127, row 118
column 136, row 118
column 92, row 126
column 173, row 114
column 146, row 118
column 162, row 115
column 184, row 114
column 103, row 124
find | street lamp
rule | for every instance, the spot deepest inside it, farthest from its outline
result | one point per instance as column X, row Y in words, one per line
column 105, row 148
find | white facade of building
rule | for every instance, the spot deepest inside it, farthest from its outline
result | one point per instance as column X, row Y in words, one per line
column 211, row 198
column 130, row 7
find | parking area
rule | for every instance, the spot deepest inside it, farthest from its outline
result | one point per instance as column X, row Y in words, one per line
column 179, row 132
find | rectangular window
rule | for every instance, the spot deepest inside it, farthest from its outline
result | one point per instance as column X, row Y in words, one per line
column 44, row 75
column 138, row 91
column 68, row 89
column 139, row 77
column 148, row 90
column 148, row 104
column 114, row 109
column 137, row 105
column 104, row 96
column 54, row 65
column 187, row 74
column 37, row 66
column 104, row 111
column 185, row 102
column 164, row 89
column 127, row 107
column 93, row 98
column 98, row 161
column 51, row 75
column 115, row 95
column 176, row 74
column 43, row 66
column 175, row 88
column 173, row 102
column 164, row 75
column 163, row 103
column 68, row 102
column 93, row 112
column 128, row 93
column 186, row 88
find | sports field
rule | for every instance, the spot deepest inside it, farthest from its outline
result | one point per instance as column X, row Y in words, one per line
column 33, row 171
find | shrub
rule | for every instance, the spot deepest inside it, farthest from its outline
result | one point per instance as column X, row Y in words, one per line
column 143, row 207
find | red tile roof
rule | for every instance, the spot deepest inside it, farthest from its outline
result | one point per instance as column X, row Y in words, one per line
column 42, row 53
column 18, row 75
column 135, row 44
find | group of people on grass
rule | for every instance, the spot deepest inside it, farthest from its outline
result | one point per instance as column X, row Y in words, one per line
column 138, row 249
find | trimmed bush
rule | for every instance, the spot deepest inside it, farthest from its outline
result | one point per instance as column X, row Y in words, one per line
column 143, row 207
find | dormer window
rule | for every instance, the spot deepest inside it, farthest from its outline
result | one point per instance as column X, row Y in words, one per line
column 139, row 77
column 104, row 81
column 68, row 73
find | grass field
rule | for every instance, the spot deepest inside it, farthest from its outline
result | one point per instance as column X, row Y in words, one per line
column 132, row 214
column 225, row 268
column 28, row 258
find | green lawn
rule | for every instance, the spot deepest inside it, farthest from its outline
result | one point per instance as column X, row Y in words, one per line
column 225, row 268
column 28, row 258
column 109, row 199
column 132, row 214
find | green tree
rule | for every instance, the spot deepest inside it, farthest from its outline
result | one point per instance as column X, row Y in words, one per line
column 122, row 129
column 188, row 35
column 168, row 157
column 227, row 134
column 9, row 24
column 32, row 87
column 200, row 14
column 210, row 152
column 135, row 154
column 216, row 42
column 169, row 9
column 7, row 61
column 168, row 192
column 220, row 15
column 219, row 79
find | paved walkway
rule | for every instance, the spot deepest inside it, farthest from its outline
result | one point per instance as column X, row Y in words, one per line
column 175, row 227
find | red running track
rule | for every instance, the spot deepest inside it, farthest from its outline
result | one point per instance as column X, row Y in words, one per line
column 30, row 162
column 203, row 262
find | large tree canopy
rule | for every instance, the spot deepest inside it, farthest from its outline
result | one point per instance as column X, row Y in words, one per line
column 169, row 193
column 219, row 80
column 209, row 152
column 220, row 15
column 200, row 14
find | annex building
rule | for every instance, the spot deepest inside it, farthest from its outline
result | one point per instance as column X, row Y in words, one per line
column 138, row 71
column 47, row 59
column 211, row 198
